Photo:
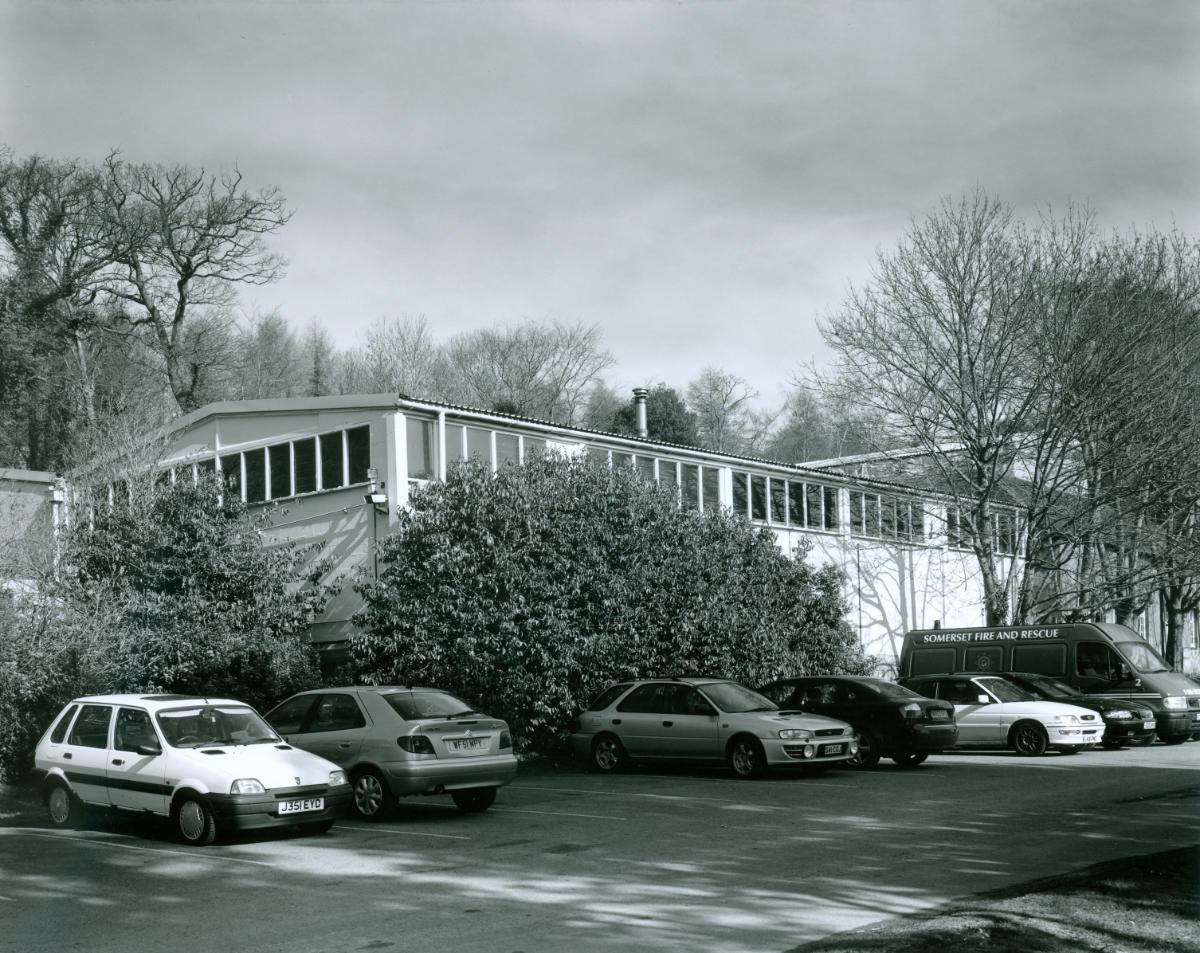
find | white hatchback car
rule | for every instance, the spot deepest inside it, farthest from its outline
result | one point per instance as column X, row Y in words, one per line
column 210, row 764
column 993, row 712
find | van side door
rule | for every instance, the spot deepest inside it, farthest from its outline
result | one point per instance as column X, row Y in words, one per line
column 1099, row 670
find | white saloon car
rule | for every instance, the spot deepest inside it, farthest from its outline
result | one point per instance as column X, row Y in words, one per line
column 992, row 712
column 210, row 764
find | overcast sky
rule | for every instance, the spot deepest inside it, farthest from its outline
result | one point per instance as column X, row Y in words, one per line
column 703, row 180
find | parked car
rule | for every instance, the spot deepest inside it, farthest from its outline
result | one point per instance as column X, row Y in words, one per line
column 889, row 719
column 992, row 712
column 395, row 741
column 705, row 719
column 1125, row 721
column 211, row 765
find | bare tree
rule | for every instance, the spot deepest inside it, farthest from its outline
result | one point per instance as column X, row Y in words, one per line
column 726, row 418
column 184, row 240
column 269, row 362
column 539, row 370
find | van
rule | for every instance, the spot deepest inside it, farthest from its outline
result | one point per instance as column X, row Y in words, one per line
column 1098, row 658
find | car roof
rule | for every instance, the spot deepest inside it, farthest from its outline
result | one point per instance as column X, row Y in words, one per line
column 154, row 702
column 377, row 689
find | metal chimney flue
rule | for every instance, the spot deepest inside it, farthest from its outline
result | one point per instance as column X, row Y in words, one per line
column 639, row 405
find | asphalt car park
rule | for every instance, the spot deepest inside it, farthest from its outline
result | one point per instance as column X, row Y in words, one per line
column 655, row 858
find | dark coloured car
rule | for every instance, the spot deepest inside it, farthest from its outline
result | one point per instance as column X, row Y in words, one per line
column 889, row 720
column 1125, row 722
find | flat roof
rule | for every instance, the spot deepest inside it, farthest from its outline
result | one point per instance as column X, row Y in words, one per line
column 14, row 475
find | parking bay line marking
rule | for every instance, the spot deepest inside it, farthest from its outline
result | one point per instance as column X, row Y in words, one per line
column 597, row 817
column 104, row 842
column 392, row 830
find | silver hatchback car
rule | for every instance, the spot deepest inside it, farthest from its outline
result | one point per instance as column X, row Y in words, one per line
column 394, row 741
column 705, row 719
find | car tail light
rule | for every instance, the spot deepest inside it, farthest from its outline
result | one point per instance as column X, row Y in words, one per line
column 505, row 739
column 415, row 744
column 912, row 711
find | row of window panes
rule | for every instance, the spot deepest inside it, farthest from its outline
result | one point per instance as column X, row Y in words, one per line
column 886, row 517
column 327, row 461
column 784, row 502
column 699, row 487
column 1005, row 531
column 494, row 447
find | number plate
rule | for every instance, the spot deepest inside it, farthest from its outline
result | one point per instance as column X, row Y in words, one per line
column 831, row 749
column 302, row 805
column 1147, row 724
column 467, row 744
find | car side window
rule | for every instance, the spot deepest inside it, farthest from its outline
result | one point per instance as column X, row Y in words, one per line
column 288, row 718
column 688, row 701
column 1096, row 660
column 133, row 730
column 607, row 697
column 91, row 727
column 337, row 712
column 821, row 693
column 646, row 698
column 60, row 730
column 961, row 693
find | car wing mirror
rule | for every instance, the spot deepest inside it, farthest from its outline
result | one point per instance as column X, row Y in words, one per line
column 982, row 700
column 149, row 750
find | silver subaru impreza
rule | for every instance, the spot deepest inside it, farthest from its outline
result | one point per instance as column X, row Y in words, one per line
column 705, row 719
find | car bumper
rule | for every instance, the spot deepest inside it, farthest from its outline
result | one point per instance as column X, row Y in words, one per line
column 581, row 743
column 1133, row 731
column 244, row 812
column 437, row 776
column 1073, row 737
column 925, row 738
column 781, row 753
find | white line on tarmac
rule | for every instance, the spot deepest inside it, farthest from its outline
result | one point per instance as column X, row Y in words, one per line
column 8, row 899
column 597, row 817
column 392, row 830
column 193, row 855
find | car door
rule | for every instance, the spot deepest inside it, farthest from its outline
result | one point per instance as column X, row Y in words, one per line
column 976, row 726
column 288, row 717
column 335, row 729
column 639, row 717
column 136, row 778
column 84, row 753
column 690, row 730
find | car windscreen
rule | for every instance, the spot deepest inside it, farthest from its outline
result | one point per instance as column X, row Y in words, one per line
column 413, row 706
column 1005, row 690
column 1143, row 658
column 1048, row 687
column 199, row 726
column 890, row 689
column 732, row 697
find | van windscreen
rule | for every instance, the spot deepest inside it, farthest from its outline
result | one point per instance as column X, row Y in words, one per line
column 1143, row 658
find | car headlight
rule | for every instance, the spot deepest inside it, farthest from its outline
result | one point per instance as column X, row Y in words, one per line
column 1119, row 713
column 247, row 786
column 1066, row 719
column 337, row 777
column 795, row 734
column 1175, row 702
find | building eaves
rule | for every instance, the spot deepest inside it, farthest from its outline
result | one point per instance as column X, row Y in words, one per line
column 15, row 475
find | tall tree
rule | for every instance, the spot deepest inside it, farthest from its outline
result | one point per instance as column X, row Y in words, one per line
column 184, row 240
column 726, row 417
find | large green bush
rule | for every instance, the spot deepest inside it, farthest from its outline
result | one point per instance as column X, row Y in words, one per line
column 173, row 591
column 528, row 591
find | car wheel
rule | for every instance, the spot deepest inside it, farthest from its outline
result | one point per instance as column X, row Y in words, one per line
column 869, row 750
column 910, row 759
column 63, row 809
column 316, row 827
column 747, row 758
column 608, row 755
column 1029, row 738
column 195, row 823
column 474, row 800
column 372, row 799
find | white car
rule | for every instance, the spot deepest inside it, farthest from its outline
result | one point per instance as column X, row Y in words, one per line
column 992, row 712
column 212, row 765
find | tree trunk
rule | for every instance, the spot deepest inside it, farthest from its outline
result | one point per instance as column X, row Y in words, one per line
column 1173, row 603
